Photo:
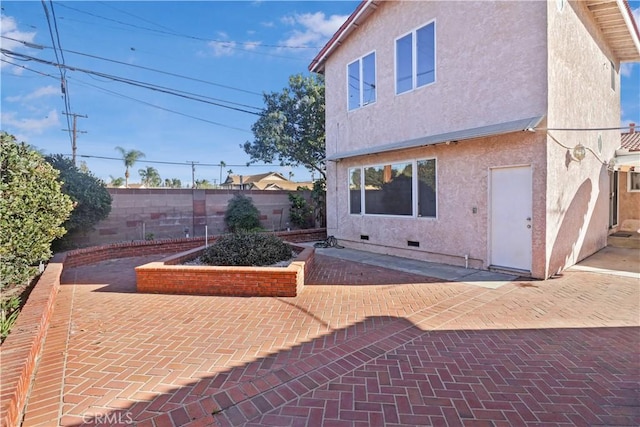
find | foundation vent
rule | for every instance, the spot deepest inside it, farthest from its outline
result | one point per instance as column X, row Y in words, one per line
column 364, row 237
column 413, row 243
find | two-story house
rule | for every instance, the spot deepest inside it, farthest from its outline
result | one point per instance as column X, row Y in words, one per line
column 475, row 133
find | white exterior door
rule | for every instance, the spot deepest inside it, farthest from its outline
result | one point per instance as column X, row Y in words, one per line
column 511, row 209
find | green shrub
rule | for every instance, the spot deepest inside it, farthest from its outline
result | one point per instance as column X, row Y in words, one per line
column 90, row 196
column 32, row 210
column 300, row 213
column 241, row 214
column 246, row 249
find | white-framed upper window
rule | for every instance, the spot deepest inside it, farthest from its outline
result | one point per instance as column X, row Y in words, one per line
column 394, row 189
column 633, row 181
column 361, row 81
column 416, row 59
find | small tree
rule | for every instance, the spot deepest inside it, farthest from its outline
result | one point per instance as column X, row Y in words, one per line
column 291, row 129
column 89, row 194
column 241, row 214
column 32, row 210
column 319, row 202
column 300, row 213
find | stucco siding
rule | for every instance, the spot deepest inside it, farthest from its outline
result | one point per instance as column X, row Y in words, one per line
column 580, row 97
column 490, row 68
column 462, row 184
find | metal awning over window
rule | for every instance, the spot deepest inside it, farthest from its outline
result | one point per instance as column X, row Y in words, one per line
column 460, row 135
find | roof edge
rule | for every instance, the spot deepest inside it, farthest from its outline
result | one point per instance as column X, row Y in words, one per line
column 632, row 26
column 317, row 63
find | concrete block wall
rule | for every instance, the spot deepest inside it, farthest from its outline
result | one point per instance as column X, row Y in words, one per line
column 165, row 213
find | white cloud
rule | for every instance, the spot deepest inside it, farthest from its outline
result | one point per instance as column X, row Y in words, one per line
column 222, row 48
column 251, row 45
column 636, row 15
column 316, row 28
column 31, row 126
column 9, row 28
column 38, row 93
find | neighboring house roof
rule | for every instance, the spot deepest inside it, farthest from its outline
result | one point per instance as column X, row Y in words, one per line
column 251, row 179
column 265, row 181
column 281, row 185
column 614, row 18
column 630, row 141
column 449, row 137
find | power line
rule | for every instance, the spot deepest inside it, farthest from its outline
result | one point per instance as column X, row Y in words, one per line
column 132, row 15
column 63, row 82
column 129, row 97
column 171, row 163
column 175, row 34
column 151, row 86
column 32, row 45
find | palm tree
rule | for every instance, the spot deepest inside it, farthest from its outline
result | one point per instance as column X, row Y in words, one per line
column 222, row 165
column 150, row 177
column 173, row 183
column 116, row 182
column 130, row 158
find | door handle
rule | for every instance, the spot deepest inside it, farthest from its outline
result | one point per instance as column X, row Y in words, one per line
column 528, row 225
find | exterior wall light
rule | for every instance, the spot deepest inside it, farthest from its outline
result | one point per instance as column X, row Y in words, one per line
column 579, row 152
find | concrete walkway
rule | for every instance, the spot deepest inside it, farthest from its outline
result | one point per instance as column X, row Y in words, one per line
column 485, row 279
column 363, row 345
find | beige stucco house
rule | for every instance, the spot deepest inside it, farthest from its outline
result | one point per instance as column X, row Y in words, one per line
column 455, row 131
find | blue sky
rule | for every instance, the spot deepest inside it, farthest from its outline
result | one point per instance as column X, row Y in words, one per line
column 228, row 52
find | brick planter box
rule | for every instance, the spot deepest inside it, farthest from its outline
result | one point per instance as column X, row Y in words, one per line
column 167, row 276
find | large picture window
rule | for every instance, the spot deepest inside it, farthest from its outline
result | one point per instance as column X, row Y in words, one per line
column 416, row 59
column 361, row 81
column 392, row 189
column 387, row 189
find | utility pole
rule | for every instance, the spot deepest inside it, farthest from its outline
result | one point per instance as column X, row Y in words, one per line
column 75, row 131
column 193, row 173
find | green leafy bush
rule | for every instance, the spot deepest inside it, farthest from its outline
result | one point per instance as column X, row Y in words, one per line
column 90, row 196
column 241, row 214
column 300, row 213
column 32, row 210
column 246, row 249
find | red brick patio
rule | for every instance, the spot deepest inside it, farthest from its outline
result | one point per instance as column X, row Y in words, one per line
column 362, row 345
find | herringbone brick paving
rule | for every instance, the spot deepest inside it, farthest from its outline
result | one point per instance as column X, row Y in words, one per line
column 383, row 348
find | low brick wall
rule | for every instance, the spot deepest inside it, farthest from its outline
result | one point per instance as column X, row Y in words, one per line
column 20, row 352
column 167, row 276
